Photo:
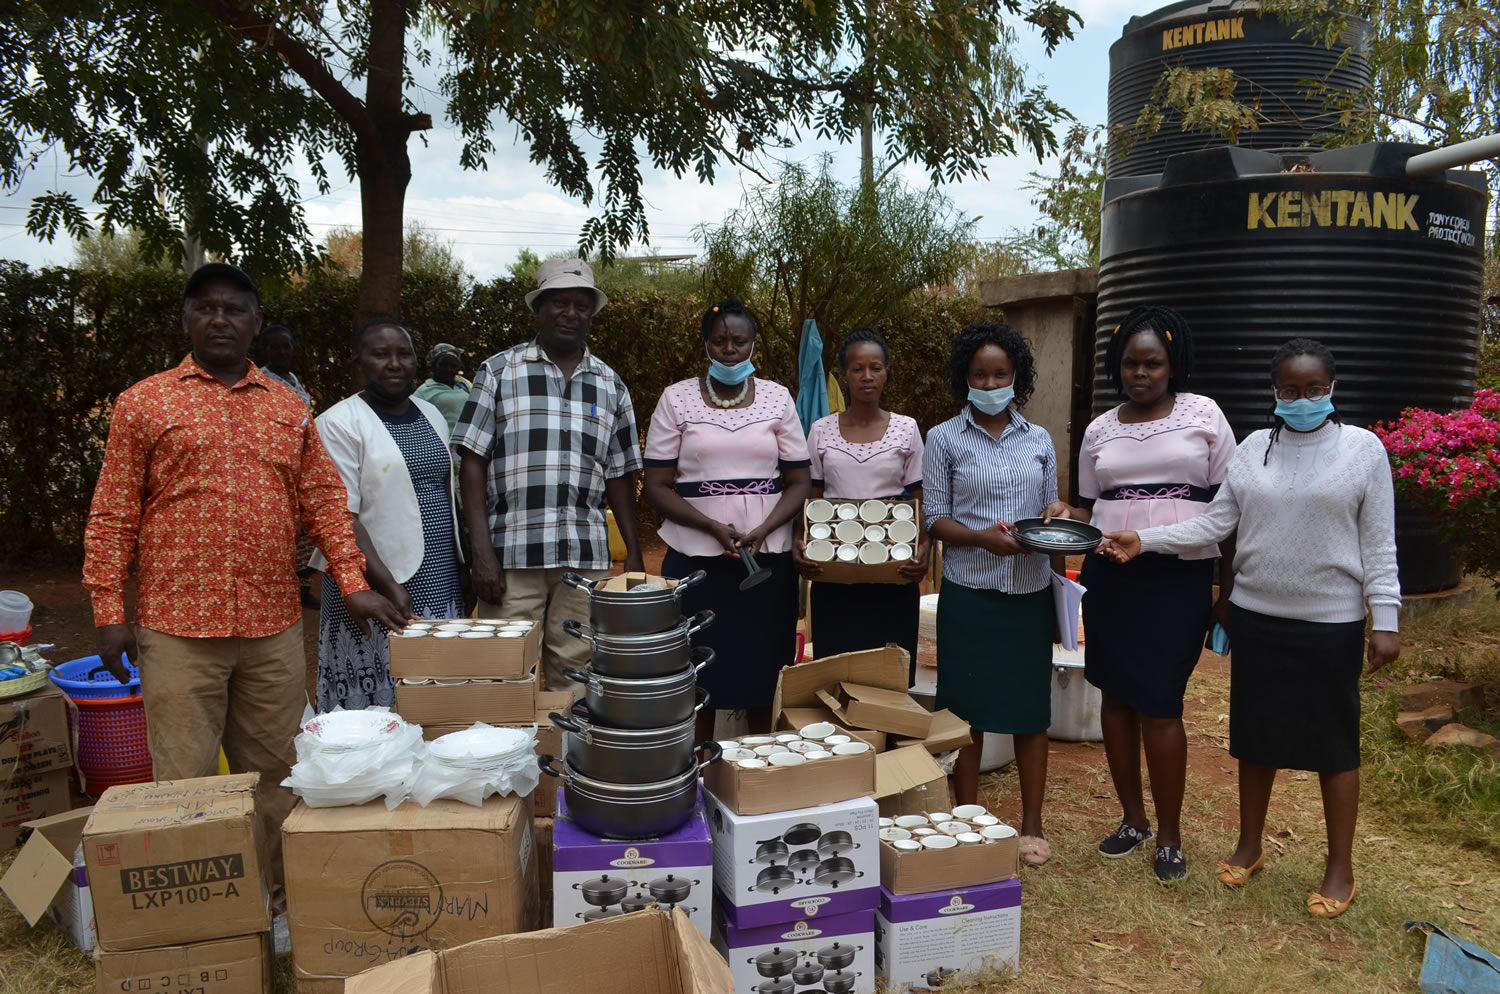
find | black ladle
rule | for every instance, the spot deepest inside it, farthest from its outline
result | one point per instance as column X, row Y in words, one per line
column 754, row 574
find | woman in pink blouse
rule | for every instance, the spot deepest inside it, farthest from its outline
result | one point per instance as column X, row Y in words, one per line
column 861, row 453
column 1154, row 460
column 727, row 467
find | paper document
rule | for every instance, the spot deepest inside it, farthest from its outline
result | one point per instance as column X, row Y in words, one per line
column 1067, row 598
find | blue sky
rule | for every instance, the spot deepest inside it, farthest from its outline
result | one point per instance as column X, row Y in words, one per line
column 490, row 216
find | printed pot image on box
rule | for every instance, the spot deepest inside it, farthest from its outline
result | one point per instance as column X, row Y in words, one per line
column 835, row 955
column 922, row 940
column 789, row 865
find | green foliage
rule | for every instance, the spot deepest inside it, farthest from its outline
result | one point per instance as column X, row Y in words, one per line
column 1070, row 202
column 422, row 251
column 71, row 341
column 119, row 252
column 810, row 247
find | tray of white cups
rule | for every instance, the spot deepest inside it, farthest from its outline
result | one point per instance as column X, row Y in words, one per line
column 941, row 850
column 466, row 648
column 818, row 764
column 861, row 541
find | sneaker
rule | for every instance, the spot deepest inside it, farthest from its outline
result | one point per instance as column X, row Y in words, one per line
column 1126, row 840
column 1170, row 864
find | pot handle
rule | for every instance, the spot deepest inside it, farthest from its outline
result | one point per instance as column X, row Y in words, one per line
column 573, row 725
column 703, row 704
column 699, row 652
column 691, row 580
column 574, row 580
column 715, row 753
column 701, row 620
column 544, row 763
column 696, row 751
column 577, row 676
column 578, row 630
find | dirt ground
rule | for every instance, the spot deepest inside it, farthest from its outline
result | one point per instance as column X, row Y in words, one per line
column 1088, row 924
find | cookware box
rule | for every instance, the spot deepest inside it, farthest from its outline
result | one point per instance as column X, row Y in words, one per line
column 812, row 952
column 673, row 870
column 466, row 659
column 787, row 866
column 494, row 702
column 922, row 939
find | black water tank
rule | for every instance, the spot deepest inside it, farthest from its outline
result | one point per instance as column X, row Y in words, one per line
column 1274, row 62
column 1254, row 249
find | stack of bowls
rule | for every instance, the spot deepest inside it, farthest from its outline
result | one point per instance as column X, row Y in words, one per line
column 869, row 532
column 630, row 766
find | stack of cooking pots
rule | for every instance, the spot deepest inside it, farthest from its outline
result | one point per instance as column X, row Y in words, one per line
column 630, row 766
column 789, row 970
column 611, row 896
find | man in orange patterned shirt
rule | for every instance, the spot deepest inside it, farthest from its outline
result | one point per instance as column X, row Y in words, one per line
column 208, row 471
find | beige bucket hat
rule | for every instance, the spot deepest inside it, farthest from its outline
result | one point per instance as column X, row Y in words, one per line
column 565, row 274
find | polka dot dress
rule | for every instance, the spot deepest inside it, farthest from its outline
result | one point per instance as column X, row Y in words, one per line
column 354, row 672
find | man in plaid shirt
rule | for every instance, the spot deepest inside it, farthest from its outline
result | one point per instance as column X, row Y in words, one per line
column 547, row 439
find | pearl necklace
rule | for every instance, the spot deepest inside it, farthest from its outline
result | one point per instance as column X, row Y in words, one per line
column 708, row 385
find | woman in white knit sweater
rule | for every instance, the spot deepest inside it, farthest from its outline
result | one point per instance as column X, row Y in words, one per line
column 1313, row 504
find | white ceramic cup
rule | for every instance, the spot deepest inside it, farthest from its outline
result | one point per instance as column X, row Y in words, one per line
column 727, row 744
column 873, row 511
column 894, row 834
column 476, row 635
column 873, row 553
column 847, row 553
column 911, row 821
column 836, row 740
column 820, row 551
column 805, row 747
column 955, row 827
column 938, row 817
column 819, row 532
column 922, row 833
column 887, row 823
column 816, row 754
column 901, row 553
column 875, row 533
column 939, row 842
column 509, row 633
column 970, row 839
column 901, row 531
column 757, row 740
column 851, row 748
column 786, row 759
column 817, row 731
column 454, row 626
column 445, row 635
column 849, row 531
column 997, row 832
column 751, row 764
column 847, row 512
column 787, row 738
column 968, row 812
column 984, row 821
column 736, row 754
column 773, row 749
column 412, row 633
column 819, row 510
column 907, row 845
column 902, row 512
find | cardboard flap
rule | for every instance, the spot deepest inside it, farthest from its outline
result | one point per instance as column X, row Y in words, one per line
column 173, row 802
column 902, row 769
column 44, row 863
column 704, row 970
column 879, row 708
column 414, row 974
column 948, row 732
column 798, row 686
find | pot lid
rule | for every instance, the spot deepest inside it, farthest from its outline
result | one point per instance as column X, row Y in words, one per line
column 839, row 982
column 782, row 985
column 637, row 902
column 808, row 973
column 778, row 957
column 671, row 888
column 605, row 890
column 599, row 914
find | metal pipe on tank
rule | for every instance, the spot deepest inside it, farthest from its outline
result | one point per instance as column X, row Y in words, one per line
column 1462, row 154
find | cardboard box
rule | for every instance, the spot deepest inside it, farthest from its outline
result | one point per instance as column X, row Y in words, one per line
column 855, row 930
column 34, row 735
column 646, row 953
column 972, row 931
column 779, row 788
column 317, row 985
column 241, row 965
column 739, row 860
column 798, row 686
column 891, row 711
column 48, row 879
column 542, row 830
column 177, row 862
column 795, row 719
column 928, row 870
column 948, row 732
column 465, row 659
column 494, row 702
column 835, row 571
column 366, row 885
column 24, row 799
column 908, row 781
column 686, row 854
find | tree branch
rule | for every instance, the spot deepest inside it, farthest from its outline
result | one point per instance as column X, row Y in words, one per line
column 298, row 58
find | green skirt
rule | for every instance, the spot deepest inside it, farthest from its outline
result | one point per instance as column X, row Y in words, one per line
column 994, row 653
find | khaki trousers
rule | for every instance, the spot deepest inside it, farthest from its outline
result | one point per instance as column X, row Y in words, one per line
column 540, row 595
column 246, row 694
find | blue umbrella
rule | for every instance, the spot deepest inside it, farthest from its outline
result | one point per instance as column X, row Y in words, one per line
column 812, row 387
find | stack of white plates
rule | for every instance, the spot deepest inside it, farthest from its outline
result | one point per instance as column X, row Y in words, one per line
column 349, row 731
column 481, row 747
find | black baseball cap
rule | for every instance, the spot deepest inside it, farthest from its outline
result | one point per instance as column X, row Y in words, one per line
column 220, row 271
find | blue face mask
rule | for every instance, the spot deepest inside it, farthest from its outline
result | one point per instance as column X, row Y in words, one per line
column 1305, row 414
column 992, row 401
column 731, row 375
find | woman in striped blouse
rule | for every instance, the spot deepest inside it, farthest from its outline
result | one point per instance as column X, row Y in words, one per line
column 983, row 469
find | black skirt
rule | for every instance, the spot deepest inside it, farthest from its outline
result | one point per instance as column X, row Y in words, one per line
column 754, row 633
column 1144, row 622
column 1294, row 692
column 849, row 617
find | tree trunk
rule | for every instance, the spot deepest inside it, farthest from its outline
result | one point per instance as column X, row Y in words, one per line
column 384, row 171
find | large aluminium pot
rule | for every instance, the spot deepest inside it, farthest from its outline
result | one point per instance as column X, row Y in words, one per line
column 774, row 962
column 625, row 810
column 652, row 702
column 626, row 755
column 635, row 611
column 656, row 654
column 838, row 956
column 603, row 891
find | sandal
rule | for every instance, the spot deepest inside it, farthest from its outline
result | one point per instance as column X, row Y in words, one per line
column 1035, row 850
column 1235, row 876
column 1326, row 907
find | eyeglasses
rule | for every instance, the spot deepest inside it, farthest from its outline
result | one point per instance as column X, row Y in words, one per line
column 1314, row 392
